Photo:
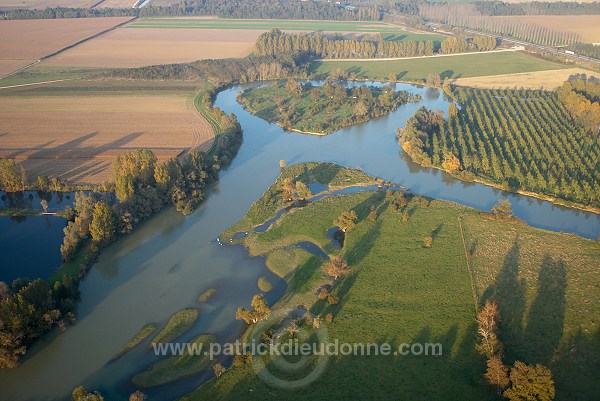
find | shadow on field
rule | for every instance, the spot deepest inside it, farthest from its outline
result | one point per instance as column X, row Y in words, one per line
column 72, row 160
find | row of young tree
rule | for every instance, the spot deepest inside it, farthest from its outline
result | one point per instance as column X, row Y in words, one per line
column 581, row 97
column 254, row 9
column 519, row 139
column 466, row 15
column 276, row 43
column 586, row 49
column 538, row 8
column 521, row 382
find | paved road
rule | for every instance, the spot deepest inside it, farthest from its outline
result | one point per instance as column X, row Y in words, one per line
column 549, row 49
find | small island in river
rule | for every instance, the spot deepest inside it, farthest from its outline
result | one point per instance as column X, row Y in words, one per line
column 321, row 110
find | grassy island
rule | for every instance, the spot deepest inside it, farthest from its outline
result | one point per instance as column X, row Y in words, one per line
column 321, row 110
column 420, row 269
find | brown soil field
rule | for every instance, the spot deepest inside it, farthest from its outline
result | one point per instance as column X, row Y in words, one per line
column 8, row 66
column 586, row 25
column 116, row 4
column 128, row 47
column 78, row 137
column 42, row 4
column 538, row 79
column 33, row 39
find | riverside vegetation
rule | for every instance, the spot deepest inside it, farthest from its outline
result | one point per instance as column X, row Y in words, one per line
column 321, row 109
column 390, row 282
column 531, row 140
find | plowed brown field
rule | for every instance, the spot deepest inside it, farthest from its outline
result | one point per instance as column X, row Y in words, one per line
column 24, row 41
column 140, row 47
column 78, row 137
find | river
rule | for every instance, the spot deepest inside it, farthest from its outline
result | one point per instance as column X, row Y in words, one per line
column 169, row 260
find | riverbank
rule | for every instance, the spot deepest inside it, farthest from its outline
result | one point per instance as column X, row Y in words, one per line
column 412, row 263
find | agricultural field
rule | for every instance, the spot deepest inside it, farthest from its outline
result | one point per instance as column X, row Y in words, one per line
column 549, row 79
column 392, row 32
column 586, row 25
column 42, row 4
column 116, row 4
column 74, row 130
column 453, row 66
column 400, row 290
column 141, row 47
column 25, row 41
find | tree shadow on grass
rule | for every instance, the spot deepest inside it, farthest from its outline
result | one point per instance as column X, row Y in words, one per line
column 546, row 316
column 509, row 291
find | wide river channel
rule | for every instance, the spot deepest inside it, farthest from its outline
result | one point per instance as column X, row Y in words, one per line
column 169, row 260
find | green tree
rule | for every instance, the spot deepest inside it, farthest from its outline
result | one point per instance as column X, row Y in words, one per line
column 496, row 373
column 530, row 383
column 102, row 227
column 346, row 221
column 503, row 208
column 259, row 310
column 303, row 191
column 337, row 267
column 10, row 175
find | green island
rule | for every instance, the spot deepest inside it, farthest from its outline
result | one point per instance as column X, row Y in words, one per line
column 323, row 109
column 538, row 142
column 178, row 324
column 175, row 367
column 137, row 339
column 206, row 295
column 264, row 284
column 421, row 269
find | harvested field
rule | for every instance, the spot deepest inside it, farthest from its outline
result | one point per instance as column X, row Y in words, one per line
column 116, row 4
column 42, row 4
column 8, row 66
column 536, row 79
column 27, row 40
column 140, row 47
column 586, row 25
column 78, row 137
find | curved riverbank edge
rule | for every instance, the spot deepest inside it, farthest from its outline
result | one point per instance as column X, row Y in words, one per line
column 536, row 195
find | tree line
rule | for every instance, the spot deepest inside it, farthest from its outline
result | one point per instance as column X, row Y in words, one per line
column 224, row 71
column 254, row 9
column 586, row 49
column 144, row 187
column 467, row 15
column 518, row 139
column 275, row 43
column 581, row 97
column 29, row 309
column 537, row 8
column 521, row 381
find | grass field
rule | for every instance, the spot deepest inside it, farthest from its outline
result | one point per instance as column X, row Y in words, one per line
column 24, row 41
column 458, row 66
column 74, row 130
column 137, row 339
column 401, row 291
column 38, row 73
column 586, row 25
column 178, row 324
column 175, row 367
column 391, row 32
